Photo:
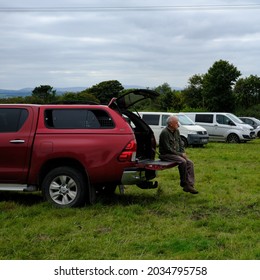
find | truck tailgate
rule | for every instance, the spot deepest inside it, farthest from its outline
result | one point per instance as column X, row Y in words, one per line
column 156, row 164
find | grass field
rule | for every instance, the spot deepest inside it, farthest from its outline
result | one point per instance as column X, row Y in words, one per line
column 222, row 222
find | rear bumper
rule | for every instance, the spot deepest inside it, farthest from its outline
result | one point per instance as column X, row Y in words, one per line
column 134, row 176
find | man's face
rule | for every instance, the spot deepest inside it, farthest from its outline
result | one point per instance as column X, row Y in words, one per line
column 173, row 124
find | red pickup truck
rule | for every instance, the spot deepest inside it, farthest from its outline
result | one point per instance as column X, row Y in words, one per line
column 72, row 152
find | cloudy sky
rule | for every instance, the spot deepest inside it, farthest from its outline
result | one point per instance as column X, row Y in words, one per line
column 69, row 43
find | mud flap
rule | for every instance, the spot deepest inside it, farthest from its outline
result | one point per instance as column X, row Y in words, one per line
column 91, row 194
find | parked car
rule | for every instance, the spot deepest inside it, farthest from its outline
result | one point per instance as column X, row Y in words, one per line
column 73, row 152
column 191, row 134
column 223, row 127
column 254, row 122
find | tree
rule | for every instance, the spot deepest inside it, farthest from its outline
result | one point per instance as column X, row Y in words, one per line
column 178, row 101
column 85, row 96
column 106, row 90
column 193, row 97
column 166, row 96
column 81, row 97
column 217, row 86
column 44, row 93
column 247, row 91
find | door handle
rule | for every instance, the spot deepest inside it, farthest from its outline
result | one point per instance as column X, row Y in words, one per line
column 17, row 141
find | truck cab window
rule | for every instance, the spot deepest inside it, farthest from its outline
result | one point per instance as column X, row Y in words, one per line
column 12, row 119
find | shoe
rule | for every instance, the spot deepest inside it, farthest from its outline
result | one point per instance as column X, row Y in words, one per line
column 191, row 190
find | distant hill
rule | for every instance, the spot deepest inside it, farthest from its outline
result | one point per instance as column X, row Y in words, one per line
column 12, row 93
column 28, row 91
column 4, row 93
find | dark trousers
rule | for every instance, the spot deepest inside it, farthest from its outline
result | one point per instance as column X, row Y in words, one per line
column 186, row 169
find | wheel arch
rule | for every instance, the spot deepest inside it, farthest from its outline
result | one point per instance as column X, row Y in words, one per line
column 58, row 162
column 233, row 136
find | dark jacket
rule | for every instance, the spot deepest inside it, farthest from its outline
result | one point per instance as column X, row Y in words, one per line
column 170, row 142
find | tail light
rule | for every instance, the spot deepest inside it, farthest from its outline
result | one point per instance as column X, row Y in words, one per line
column 129, row 152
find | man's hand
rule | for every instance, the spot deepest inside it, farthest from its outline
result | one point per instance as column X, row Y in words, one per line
column 184, row 156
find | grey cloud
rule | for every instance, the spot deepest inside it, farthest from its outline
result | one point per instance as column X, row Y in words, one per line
column 138, row 47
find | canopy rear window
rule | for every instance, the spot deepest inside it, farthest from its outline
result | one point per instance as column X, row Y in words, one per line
column 77, row 119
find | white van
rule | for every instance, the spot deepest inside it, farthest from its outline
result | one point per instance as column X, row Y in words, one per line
column 223, row 127
column 191, row 133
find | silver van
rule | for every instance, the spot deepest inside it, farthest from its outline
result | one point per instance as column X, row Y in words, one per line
column 191, row 134
column 223, row 127
column 254, row 122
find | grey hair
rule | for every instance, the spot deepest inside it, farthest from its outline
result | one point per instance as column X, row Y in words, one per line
column 170, row 118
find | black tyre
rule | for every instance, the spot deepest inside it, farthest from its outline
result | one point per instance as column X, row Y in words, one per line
column 65, row 187
column 233, row 138
column 184, row 141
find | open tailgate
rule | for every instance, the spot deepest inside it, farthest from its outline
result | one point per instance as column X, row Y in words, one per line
column 156, row 164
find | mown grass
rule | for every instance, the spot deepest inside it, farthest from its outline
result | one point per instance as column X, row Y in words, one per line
column 221, row 222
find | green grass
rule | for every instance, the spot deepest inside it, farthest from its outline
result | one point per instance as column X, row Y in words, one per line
column 221, row 222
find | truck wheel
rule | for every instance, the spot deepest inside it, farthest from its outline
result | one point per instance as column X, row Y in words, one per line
column 65, row 187
column 233, row 138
